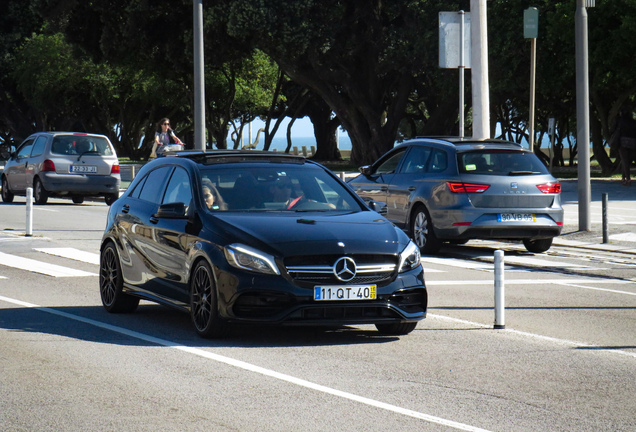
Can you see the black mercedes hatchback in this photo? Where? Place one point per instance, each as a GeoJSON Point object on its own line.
{"type": "Point", "coordinates": [254, 237]}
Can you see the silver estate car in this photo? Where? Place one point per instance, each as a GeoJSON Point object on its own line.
{"type": "Point", "coordinates": [62, 164]}
{"type": "Point", "coordinates": [456, 189]}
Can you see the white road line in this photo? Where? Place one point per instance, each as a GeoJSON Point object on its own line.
{"type": "Point", "coordinates": [597, 289]}
{"type": "Point", "coordinates": [253, 368]}
{"type": "Point", "coordinates": [533, 335]}
{"type": "Point", "coordinates": [453, 262]}
{"type": "Point", "coordinates": [544, 263]}
{"type": "Point", "coordinates": [72, 253]}
{"type": "Point", "coordinates": [582, 280]}
{"type": "Point", "coordinates": [40, 267]}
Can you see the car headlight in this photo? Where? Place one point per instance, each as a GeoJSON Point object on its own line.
{"type": "Point", "coordinates": [410, 257]}
{"type": "Point", "coordinates": [248, 258]}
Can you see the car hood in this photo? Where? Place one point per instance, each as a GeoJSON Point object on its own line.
{"type": "Point", "coordinates": [317, 233]}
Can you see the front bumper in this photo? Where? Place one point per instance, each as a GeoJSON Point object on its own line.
{"type": "Point", "coordinates": [275, 300]}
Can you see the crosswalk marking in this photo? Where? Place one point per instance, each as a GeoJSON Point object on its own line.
{"type": "Point", "coordinates": [40, 267]}
{"type": "Point", "coordinates": [454, 262]}
{"type": "Point", "coordinates": [72, 253]}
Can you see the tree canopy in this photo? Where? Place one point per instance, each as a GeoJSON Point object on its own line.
{"type": "Point", "coordinates": [116, 66]}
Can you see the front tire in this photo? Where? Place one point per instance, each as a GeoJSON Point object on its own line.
{"type": "Point", "coordinates": [7, 195]}
{"type": "Point", "coordinates": [111, 283]}
{"type": "Point", "coordinates": [109, 199]}
{"type": "Point", "coordinates": [40, 195]}
{"type": "Point", "coordinates": [538, 246]}
{"type": "Point", "coordinates": [396, 329]}
{"type": "Point", "coordinates": [78, 199]}
{"type": "Point", "coordinates": [422, 231]}
{"type": "Point", "coordinates": [204, 306]}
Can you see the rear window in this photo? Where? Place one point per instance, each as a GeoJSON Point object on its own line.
{"type": "Point", "coordinates": [500, 162]}
{"type": "Point", "coordinates": [79, 144]}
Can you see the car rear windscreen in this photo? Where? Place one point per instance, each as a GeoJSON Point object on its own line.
{"type": "Point", "coordinates": [77, 145]}
{"type": "Point", "coordinates": [500, 162]}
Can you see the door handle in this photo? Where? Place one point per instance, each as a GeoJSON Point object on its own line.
{"type": "Point", "coordinates": [125, 208]}
{"type": "Point", "coordinates": [154, 220]}
{"type": "Point", "coordinates": [384, 188]}
{"type": "Point", "coordinates": [412, 188]}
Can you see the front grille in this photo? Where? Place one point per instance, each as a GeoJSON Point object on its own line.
{"type": "Point", "coordinates": [370, 269]}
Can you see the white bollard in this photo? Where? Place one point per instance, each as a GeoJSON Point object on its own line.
{"type": "Point", "coordinates": [343, 177]}
{"type": "Point", "coordinates": [29, 212]}
{"type": "Point", "coordinates": [500, 303]}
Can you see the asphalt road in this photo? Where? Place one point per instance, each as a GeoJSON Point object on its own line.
{"type": "Point", "coordinates": [566, 360]}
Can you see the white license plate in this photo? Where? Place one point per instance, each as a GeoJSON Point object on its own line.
{"type": "Point", "coordinates": [83, 169]}
{"type": "Point", "coordinates": [517, 217]}
{"type": "Point", "coordinates": [351, 292]}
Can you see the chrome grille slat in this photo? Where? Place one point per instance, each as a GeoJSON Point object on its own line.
{"type": "Point", "coordinates": [321, 273]}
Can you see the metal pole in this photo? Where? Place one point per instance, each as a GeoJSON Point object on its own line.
{"type": "Point", "coordinates": [533, 67]}
{"type": "Point", "coordinates": [479, 65]}
{"type": "Point", "coordinates": [605, 228]}
{"type": "Point", "coordinates": [29, 212]}
{"type": "Point", "coordinates": [583, 117]}
{"type": "Point", "coordinates": [199, 83]}
{"type": "Point", "coordinates": [500, 304]}
{"type": "Point", "coordinates": [461, 73]}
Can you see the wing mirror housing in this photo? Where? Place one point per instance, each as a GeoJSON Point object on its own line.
{"type": "Point", "coordinates": [176, 210]}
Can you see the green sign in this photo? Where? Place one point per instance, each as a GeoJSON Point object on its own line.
{"type": "Point", "coordinates": [531, 23]}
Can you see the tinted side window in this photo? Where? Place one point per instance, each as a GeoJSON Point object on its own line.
{"type": "Point", "coordinates": [153, 186]}
{"type": "Point", "coordinates": [179, 188]}
{"type": "Point", "coordinates": [438, 162]}
{"type": "Point", "coordinates": [415, 162]}
{"type": "Point", "coordinates": [390, 164]}
{"type": "Point", "coordinates": [137, 189]}
{"type": "Point", "coordinates": [38, 147]}
{"type": "Point", "coordinates": [25, 149]}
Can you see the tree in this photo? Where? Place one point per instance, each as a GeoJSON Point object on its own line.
{"type": "Point", "coordinates": [361, 57]}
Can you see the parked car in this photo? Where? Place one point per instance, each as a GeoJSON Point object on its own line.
{"type": "Point", "coordinates": [62, 164]}
{"type": "Point", "coordinates": [457, 189]}
{"type": "Point", "coordinates": [260, 238]}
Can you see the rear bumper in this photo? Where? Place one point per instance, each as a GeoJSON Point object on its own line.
{"type": "Point", "coordinates": [80, 183]}
{"type": "Point", "coordinates": [467, 225]}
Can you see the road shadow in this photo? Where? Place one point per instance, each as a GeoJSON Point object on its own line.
{"type": "Point", "coordinates": [153, 325]}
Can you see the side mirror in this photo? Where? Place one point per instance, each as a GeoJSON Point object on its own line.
{"type": "Point", "coordinates": [172, 211]}
{"type": "Point", "coordinates": [365, 170]}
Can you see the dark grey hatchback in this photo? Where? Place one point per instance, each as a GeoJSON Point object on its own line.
{"type": "Point", "coordinates": [456, 189]}
{"type": "Point", "coordinates": [261, 238]}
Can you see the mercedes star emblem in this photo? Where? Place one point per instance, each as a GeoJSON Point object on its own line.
{"type": "Point", "coordinates": [345, 269]}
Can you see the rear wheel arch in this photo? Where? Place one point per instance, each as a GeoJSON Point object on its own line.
{"type": "Point", "coordinates": [422, 230]}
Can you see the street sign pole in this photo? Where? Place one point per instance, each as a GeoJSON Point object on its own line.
{"type": "Point", "coordinates": [461, 73]}
{"type": "Point", "coordinates": [530, 31]}
{"type": "Point", "coordinates": [199, 83]}
{"type": "Point", "coordinates": [583, 115]}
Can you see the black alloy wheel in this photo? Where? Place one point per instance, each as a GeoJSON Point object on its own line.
{"type": "Point", "coordinates": [40, 195]}
{"type": "Point", "coordinates": [7, 196]}
{"type": "Point", "coordinates": [204, 309]}
{"type": "Point", "coordinates": [422, 231]}
{"type": "Point", "coordinates": [111, 283]}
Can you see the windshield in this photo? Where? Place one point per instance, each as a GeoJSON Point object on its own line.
{"type": "Point", "coordinates": [80, 144]}
{"type": "Point", "coordinates": [275, 187]}
{"type": "Point", "coordinates": [500, 162]}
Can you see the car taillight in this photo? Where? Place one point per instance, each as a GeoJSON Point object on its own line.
{"type": "Point", "coordinates": [459, 187]}
{"type": "Point", "coordinates": [114, 169]}
{"type": "Point", "coordinates": [48, 165]}
{"type": "Point", "coordinates": [550, 188]}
